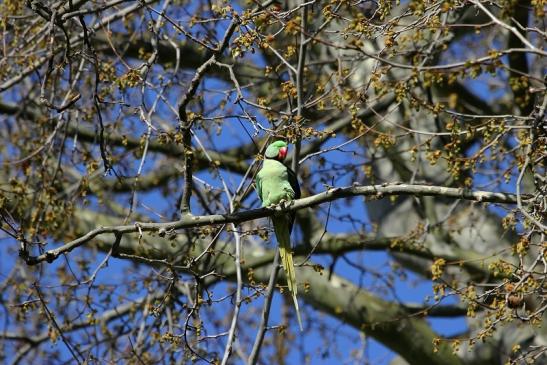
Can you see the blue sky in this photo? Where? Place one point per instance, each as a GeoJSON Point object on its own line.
{"type": "Point", "coordinates": [413, 289]}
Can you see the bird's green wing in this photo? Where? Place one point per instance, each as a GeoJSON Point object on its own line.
{"type": "Point", "coordinates": [258, 181]}
{"type": "Point", "coordinates": [293, 180]}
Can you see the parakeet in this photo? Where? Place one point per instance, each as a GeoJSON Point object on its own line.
{"type": "Point", "coordinates": [275, 183]}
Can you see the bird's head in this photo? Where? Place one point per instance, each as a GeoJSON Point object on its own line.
{"type": "Point", "coordinates": [277, 150]}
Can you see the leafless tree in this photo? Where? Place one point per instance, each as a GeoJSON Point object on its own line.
{"type": "Point", "coordinates": [131, 132]}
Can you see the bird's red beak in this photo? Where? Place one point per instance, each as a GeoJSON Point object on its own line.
{"type": "Point", "coordinates": [282, 153]}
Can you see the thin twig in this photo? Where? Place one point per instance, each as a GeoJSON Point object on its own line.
{"type": "Point", "coordinates": [300, 85]}
{"type": "Point", "coordinates": [253, 358]}
{"type": "Point", "coordinates": [237, 305]}
{"type": "Point", "coordinates": [51, 319]}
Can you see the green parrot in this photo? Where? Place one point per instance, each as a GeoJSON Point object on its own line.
{"type": "Point", "coordinates": [276, 183]}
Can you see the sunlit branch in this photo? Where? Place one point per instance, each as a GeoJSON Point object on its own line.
{"type": "Point", "coordinates": [189, 221]}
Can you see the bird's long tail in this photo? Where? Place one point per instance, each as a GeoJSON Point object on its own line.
{"type": "Point", "coordinates": [282, 232]}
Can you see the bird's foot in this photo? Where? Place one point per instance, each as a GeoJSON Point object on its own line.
{"type": "Point", "coordinates": [283, 204]}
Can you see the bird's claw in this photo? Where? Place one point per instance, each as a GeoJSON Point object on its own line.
{"type": "Point", "coordinates": [283, 204]}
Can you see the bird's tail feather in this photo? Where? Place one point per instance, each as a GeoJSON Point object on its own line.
{"type": "Point", "coordinates": [282, 232]}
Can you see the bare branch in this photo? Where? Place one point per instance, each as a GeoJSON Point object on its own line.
{"type": "Point", "coordinates": [255, 352]}
{"type": "Point", "coordinates": [376, 191]}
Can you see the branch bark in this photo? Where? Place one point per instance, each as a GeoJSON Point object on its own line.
{"type": "Point", "coordinates": [189, 221]}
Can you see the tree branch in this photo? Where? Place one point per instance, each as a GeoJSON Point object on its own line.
{"type": "Point", "coordinates": [253, 358]}
{"type": "Point", "coordinates": [387, 322]}
{"type": "Point", "coordinates": [186, 125]}
{"type": "Point", "coordinates": [189, 221]}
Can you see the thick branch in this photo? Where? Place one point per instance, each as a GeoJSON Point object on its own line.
{"type": "Point", "coordinates": [189, 221]}
{"type": "Point", "coordinates": [387, 322]}
{"type": "Point", "coordinates": [399, 327]}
